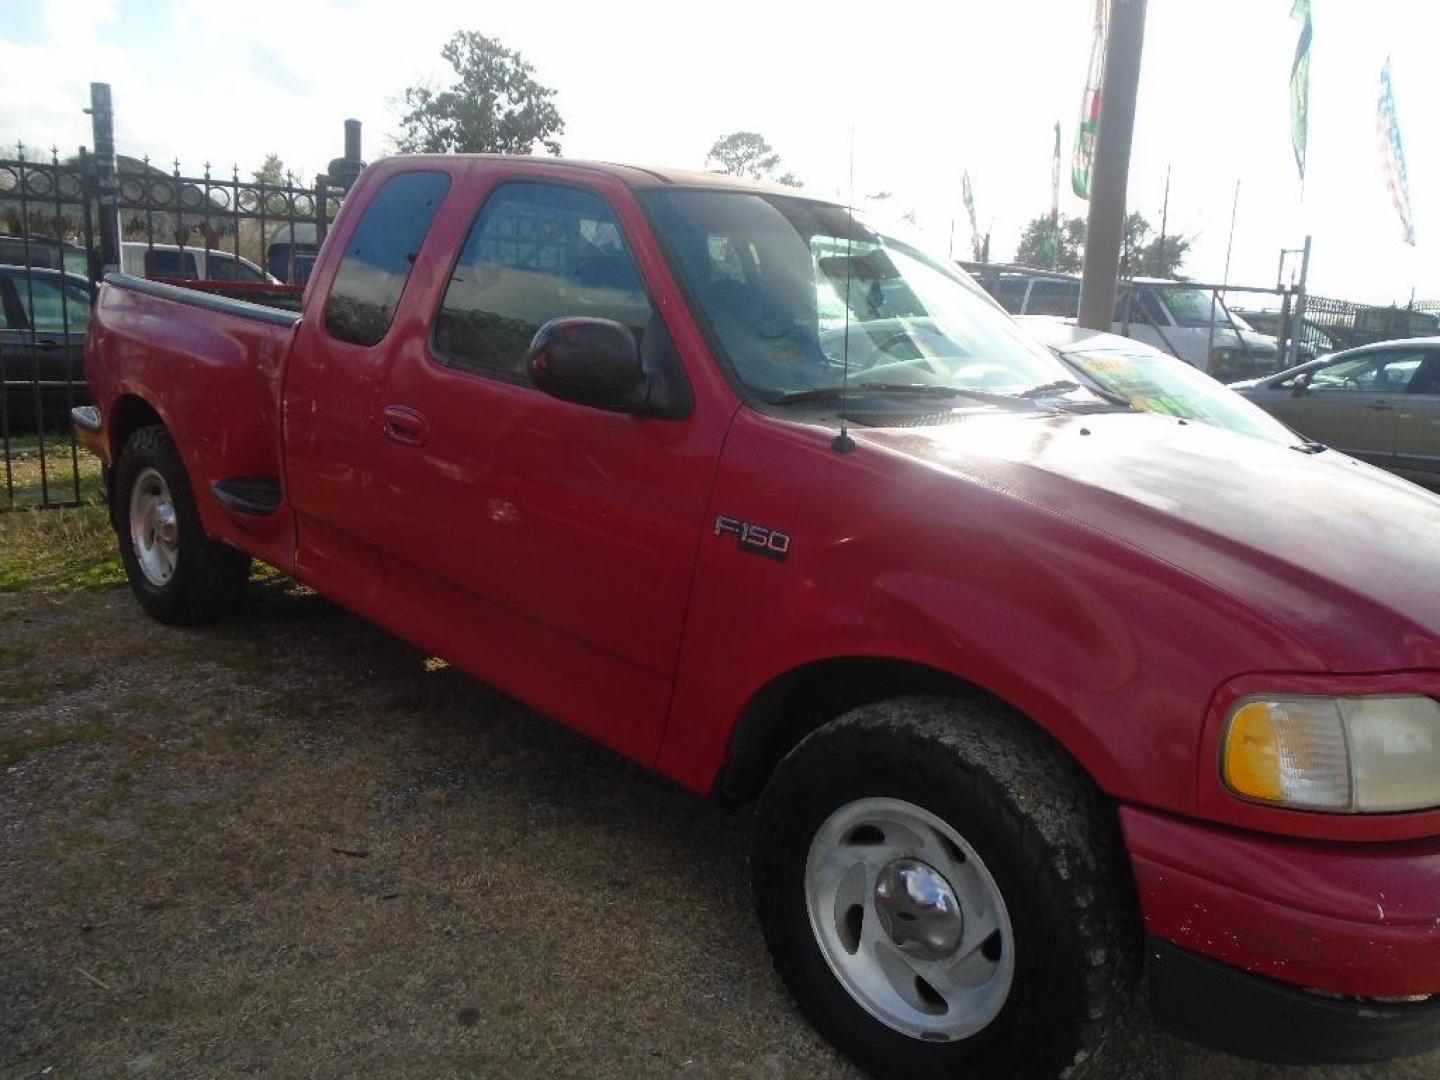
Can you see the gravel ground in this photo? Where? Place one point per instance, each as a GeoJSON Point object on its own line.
{"type": "Point", "coordinates": [293, 845]}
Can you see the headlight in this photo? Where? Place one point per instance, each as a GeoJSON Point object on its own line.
{"type": "Point", "coordinates": [1345, 755]}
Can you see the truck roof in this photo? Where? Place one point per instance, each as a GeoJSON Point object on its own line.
{"type": "Point", "coordinates": [636, 176]}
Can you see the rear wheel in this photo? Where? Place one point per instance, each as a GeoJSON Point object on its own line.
{"type": "Point", "coordinates": [178, 574]}
{"type": "Point", "coordinates": [944, 893]}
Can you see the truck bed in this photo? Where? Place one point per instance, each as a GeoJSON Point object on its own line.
{"type": "Point", "coordinates": [208, 366]}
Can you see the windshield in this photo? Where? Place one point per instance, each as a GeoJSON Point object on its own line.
{"type": "Point", "coordinates": [1150, 380]}
{"type": "Point", "coordinates": [793, 289]}
{"type": "Point", "coordinates": [1192, 307]}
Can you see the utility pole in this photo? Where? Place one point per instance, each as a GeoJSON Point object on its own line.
{"type": "Point", "coordinates": [1105, 229]}
{"type": "Point", "coordinates": [1164, 221]}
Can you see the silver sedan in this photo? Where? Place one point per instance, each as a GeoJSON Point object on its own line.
{"type": "Point", "coordinates": [1379, 402]}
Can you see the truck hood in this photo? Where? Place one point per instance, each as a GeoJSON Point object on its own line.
{"type": "Point", "coordinates": [1340, 556]}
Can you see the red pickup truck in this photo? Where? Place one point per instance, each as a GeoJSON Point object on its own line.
{"type": "Point", "coordinates": [1038, 694]}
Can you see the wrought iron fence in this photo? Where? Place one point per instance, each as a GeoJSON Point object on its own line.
{"type": "Point", "coordinates": [220, 228]}
{"type": "Point", "coordinates": [47, 279]}
{"type": "Point", "coordinates": [1332, 324]}
{"type": "Point", "coordinates": [66, 222]}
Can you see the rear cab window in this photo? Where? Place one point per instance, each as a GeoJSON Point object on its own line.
{"type": "Point", "coordinates": [376, 267]}
{"type": "Point", "coordinates": [222, 266]}
{"type": "Point", "coordinates": [1054, 298]}
{"type": "Point", "coordinates": [160, 263]}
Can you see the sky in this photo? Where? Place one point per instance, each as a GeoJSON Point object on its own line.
{"type": "Point", "coordinates": [930, 91]}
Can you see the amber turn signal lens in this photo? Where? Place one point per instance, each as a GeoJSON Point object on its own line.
{"type": "Point", "coordinates": [1291, 752]}
{"type": "Point", "coordinates": [1376, 754]}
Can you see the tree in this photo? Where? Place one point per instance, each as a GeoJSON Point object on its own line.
{"type": "Point", "coordinates": [1045, 246]}
{"type": "Point", "coordinates": [746, 153]}
{"type": "Point", "coordinates": [272, 172]}
{"type": "Point", "coordinates": [494, 106]}
{"type": "Point", "coordinates": [1141, 255]}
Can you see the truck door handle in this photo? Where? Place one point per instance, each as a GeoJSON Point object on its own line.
{"type": "Point", "coordinates": [47, 345]}
{"type": "Point", "coordinates": [405, 425]}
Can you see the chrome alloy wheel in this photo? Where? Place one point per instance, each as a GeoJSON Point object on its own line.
{"type": "Point", "coordinates": [154, 531]}
{"type": "Point", "coordinates": [909, 919]}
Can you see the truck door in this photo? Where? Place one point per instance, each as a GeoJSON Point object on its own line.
{"type": "Point", "coordinates": [337, 365]}
{"type": "Point", "coordinates": [554, 542]}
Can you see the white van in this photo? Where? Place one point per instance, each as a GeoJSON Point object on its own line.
{"type": "Point", "coordinates": [1180, 319]}
{"type": "Point", "coordinates": [171, 261]}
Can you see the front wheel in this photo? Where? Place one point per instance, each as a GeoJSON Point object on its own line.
{"type": "Point", "coordinates": [944, 894]}
{"type": "Point", "coordinates": [178, 574]}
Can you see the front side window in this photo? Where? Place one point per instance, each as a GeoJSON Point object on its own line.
{"type": "Point", "coordinates": [819, 289]}
{"type": "Point", "coordinates": [1377, 373]}
{"type": "Point", "coordinates": [1139, 307]}
{"type": "Point", "coordinates": [537, 252]}
{"type": "Point", "coordinates": [1195, 307]}
{"type": "Point", "coordinates": [46, 310]}
{"type": "Point", "coordinates": [378, 258]}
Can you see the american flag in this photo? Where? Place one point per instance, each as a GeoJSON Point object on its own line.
{"type": "Point", "coordinates": [1392, 155]}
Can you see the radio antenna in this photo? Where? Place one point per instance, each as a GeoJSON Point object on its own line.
{"type": "Point", "coordinates": [843, 443]}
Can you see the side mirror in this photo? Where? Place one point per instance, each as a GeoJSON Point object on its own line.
{"type": "Point", "coordinates": [589, 361]}
{"type": "Point", "coordinates": [1302, 385]}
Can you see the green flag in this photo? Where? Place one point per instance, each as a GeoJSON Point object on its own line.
{"type": "Point", "coordinates": [1082, 158]}
{"type": "Point", "coordinates": [1300, 86]}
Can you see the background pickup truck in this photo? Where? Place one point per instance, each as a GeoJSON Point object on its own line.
{"type": "Point", "coordinates": [1036, 692]}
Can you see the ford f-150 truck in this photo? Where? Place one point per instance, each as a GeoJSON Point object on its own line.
{"type": "Point", "coordinates": [1039, 696]}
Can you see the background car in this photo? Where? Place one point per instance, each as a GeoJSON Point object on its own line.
{"type": "Point", "coordinates": [1379, 402]}
{"type": "Point", "coordinates": [44, 251]}
{"type": "Point", "coordinates": [192, 263]}
{"type": "Point", "coordinates": [1146, 378]}
{"type": "Point", "coordinates": [43, 318]}
{"type": "Point", "coordinates": [1315, 340]}
{"type": "Point", "coordinates": [1179, 319]}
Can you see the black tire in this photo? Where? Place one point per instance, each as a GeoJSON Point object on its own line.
{"type": "Point", "coordinates": [208, 578]}
{"type": "Point", "coordinates": [1039, 826]}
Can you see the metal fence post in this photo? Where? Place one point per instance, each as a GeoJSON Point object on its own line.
{"type": "Point", "coordinates": [322, 183]}
{"type": "Point", "coordinates": [102, 120]}
{"type": "Point", "coordinates": [1291, 359]}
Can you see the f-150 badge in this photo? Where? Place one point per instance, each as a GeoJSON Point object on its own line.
{"type": "Point", "coordinates": [756, 539]}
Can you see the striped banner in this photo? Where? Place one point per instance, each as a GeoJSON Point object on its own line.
{"type": "Point", "coordinates": [968, 195]}
{"type": "Point", "coordinates": [1392, 155]}
{"type": "Point", "coordinates": [1300, 86]}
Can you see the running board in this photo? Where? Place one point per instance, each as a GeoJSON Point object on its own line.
{"type": "Point", "coordinates": [254, 496]}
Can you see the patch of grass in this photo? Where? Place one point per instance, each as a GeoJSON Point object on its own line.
{"type": "Point", "coordinates": [15, 747]}
{"type": "Point", "coordinates": [58, 550]}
